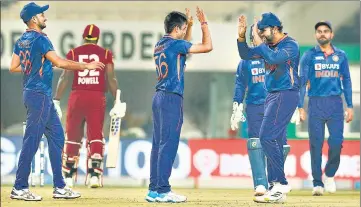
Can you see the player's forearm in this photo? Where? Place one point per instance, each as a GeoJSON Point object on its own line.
{"type": "Point", "coordinates": [68, 64]}
{"type": "Point", "coordinates": [71, 65]}
{"type": "Point", "coordinates": [347, 90]}
{"type": "Point", "coordinates": [188, 35]}
{"type": "Point", "coordinates": [113, 86]}
{"type": "Point", "coordinates": [244, 51]}
{"type": "Point", "coordinates": [206, 37]}
{"type": "Point", "coordinates": [302, 96]}
{"type": "Point", "coordinates": [238, 94]}
{"type": "Point", "coordinates": [62, 85]}
{"type": "Point", "coordinates": [271, 56]}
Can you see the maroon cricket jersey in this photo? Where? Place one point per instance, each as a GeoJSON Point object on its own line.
{"type": "Point", "coordinates": [91, 80]}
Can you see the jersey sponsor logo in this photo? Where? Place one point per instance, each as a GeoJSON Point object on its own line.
{"type": "Point", "coordinates": [258, 79]}
{"type": "Point", "coordinates": [257, 71]}
{"type": "Point", "coordinates": [255, 62]}
{"type": "Point", "coordinates": [320, 66]}
{"type": "Point", "coordinates": [327, 74]}
{"type": "Point", "coordinates": [254, 71]}
{"type": "Point", "coordinates": [319, 58]}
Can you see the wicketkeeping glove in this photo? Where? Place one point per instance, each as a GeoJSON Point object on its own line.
{"type": "Point", "coordinates": [237, 115]}
{"type": "Point", "coordinates": [296, 117]}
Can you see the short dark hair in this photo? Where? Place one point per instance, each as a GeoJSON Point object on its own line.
{"type": "Point", "coordinates": [174, 19]}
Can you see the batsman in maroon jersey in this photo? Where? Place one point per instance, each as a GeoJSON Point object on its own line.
{"type": "Point", "coordinates": [87, 103]}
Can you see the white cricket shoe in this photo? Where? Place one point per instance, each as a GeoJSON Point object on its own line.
{"type": "Point", "coordinates": [317, 191]}
{"type": "Point", "coordinates": [271, 197]}
{"type": "Point", "coordinates": [65, 193]}
{"type": "Point", "coordinates": [170, 197]}
{"type": "Point", "coordinates": [260, 190]}
{"type": "Point", "coordinates": [330, 185]}
{"type": "Point", "coordinates": [25, 195]}
{"type": "Point", "coordinates": [276, 195]}
{"type": "Point", "coordinates": [285, 188]}
{"type": "Point", "coordinates": [69, 182]}
{"type": "Point", "coordinates": [94, 182]}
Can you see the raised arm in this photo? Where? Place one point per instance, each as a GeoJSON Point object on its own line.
{"type": "Point", "coordinates": [206, 45]}
{"type": "Point", "coordinates": [244, 51]}
{"type": "Point", "coordinates": [188, 35]}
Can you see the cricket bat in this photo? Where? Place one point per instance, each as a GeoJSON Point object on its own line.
{"type": "Point", "coordinates": [114, 137]}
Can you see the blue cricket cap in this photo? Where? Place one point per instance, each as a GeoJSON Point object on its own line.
{"type": "Point", "coordinates": [326, 23]}
{"type": "Point", "coordinates": [32, 9]}
{"type": "Point", "coordinates": [269, 20]}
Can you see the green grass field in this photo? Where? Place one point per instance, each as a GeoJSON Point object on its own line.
{"type": "Point", "coordinates": [129, 197]}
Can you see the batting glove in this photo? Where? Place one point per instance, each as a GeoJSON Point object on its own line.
{"type": "Point", "coordinates": [118, 110]}
{"type": "Point", "coordinates": [237, 115]}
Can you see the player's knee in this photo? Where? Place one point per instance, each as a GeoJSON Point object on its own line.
{"type": "Point", "coordinates": [72, 148]}
{"type": "Point", "coordinates": [335, 143]}
{"type": "Point", "coordinates": [97, 146]}
{"type": "Point", "coordinates": [286, 150]}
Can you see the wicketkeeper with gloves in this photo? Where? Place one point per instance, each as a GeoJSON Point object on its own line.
{"type": "Point", "coordinates": [87, 103]}
{"type": "Point", "coordinates": [250, 83]}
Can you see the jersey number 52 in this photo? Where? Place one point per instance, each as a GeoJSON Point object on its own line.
{"type": "Point", "coordinates": [160, 65]}
{"type": "Point", "coordinates": [86, 71]}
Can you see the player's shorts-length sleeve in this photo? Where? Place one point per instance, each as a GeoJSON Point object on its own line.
{"type": "Point", "coordinates": [70, 55]}
{"type": "Point", "coordinates": [182, 46]}
{"type": "Point", "coordinates": [44, 45]}
{"type": "Point", "coordinates": [16, 48]}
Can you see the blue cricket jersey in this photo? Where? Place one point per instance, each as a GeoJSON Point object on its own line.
{"type": "Point", "coordinates": [250, 75]}
{"type": "Point", "coordinates": [281, 62]}
{"type": "Point", "coordinates": [170, 57]}
{"type": "Point", "coordinates": [31, 47]}
{"type": "Point", "coordinates": [324, 73]}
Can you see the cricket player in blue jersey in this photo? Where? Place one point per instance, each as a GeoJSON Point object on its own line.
{"type": "Point", "coordinates": [250, 75]}
{"type": "Point", "coordinates": [281, 56]}
{"type": "Point", "coordinates": [33, 56]}
{"type": "Point", "coordinates": [170, 57]}
{"type": "Point", "coordinates": [325, 71]}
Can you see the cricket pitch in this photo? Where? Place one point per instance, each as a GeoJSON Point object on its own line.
{"type": "Point", "coordinates": [129, 197]}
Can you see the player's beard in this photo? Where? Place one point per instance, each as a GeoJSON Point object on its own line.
{"type": "Point", "coordinates": [324, 41]}
{"type": "Point", "coordinates": [269, 38]}
{"type": "Point", "coordinates": [42, 25]}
